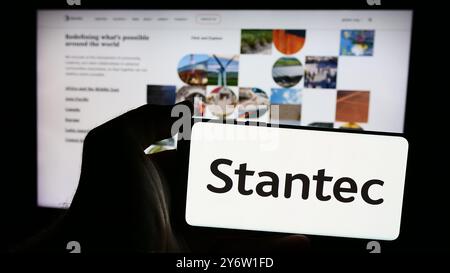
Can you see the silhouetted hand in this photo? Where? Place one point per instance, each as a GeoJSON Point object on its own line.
{"type": "Point", "coordinates": [129, 201]}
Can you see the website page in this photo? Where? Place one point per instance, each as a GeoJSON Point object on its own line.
{"type": "Point", "coordinates": [335, 69]}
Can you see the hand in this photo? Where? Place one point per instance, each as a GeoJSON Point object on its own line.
{"type": "Point", "coordinates": [129, 201]}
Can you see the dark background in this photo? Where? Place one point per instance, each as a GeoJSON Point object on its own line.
{"type": "Point", "coordinates": [425, 211]}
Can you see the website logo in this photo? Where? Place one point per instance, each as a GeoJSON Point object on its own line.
{"type": "Point", "coordinates": [315, 182]}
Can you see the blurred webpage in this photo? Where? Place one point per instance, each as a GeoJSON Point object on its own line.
{"type": "Point", "coordinates": [337, 69]}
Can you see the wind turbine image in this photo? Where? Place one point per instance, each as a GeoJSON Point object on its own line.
{"type": "Point", "coordinates": [192, 63]}
{"type": "Point", "coordinates": [222, 71]}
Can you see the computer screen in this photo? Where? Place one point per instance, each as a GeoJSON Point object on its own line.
{"type": "Point", "coordinates": [324, 68]}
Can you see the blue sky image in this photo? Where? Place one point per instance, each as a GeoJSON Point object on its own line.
{"type": "Point", "coordinates": [285, 96]}
{"type": "Point", "coordinates": [185, 62]}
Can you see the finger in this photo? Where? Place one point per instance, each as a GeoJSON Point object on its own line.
{"type": "Point", "coordinates": [291, 243]}
{"type": "Point", "coordinates": [150, 123]}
